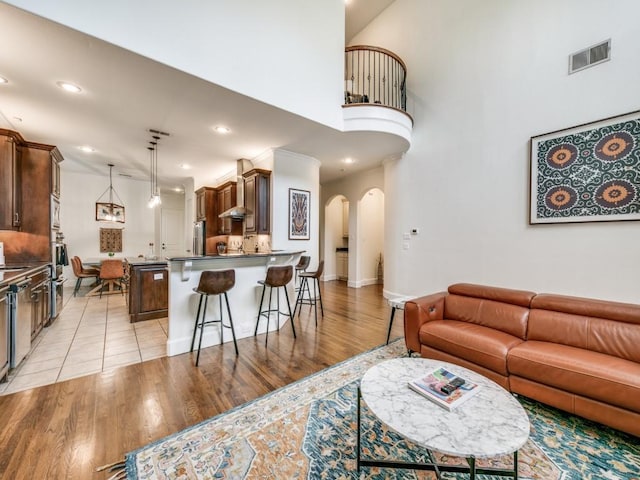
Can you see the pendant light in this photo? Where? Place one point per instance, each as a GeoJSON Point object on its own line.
{"type": "Point", "coordinates": [110, 211]}
{"type": "Point", "coordinates": [154, 199]}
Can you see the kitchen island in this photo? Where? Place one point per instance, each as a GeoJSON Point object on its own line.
{"type": "Point", "coordinates": [244, 297]}
{"type": "Point", "coordinates": [148, 288]}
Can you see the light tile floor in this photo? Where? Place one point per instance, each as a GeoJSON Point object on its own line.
{"type": "Point", "coordinates": [91, 335]}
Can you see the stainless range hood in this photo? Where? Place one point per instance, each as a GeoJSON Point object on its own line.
{"type": "Point", "coordinates": [238, 211]}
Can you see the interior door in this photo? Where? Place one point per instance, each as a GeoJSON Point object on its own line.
{"type": "Point", "coordinates": [172, 232]}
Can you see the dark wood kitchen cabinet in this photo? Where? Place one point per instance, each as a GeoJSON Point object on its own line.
{"type": "Point", "coordinates": [148, 290]}
{"type": "Point", "coordinates": [226, 196]}
{"type": "Point", "coordinates": [10, 181]}
{"type": "Point", "coordinates": [29, 197]}
{"type": "Point", "coordinates": [257, 201]}
{"type": "Point", "coordinates": [206, 204]}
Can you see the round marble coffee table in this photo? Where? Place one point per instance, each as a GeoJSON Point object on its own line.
{"type": "Point", "coordinates": [490, 423]}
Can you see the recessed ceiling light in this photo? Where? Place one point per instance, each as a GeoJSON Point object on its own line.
{"type": "Point", "coordinates": [3, 80]}
{"type": "Point", "coordinates": [348, 160]}
{"type": "Point", "coordinates": [177, 189]}
{"type": "Point", "coordinates": [222, 129]}
{"type": "Point", "coordinates": [87, 149]}
{"type": "Point", "coordinates": [69, 87]}
{"type": "Point", "coordinates": [185, 166]}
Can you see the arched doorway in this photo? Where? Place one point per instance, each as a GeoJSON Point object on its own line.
{"type": "Point", "coordinates": [336, 238]}
{"type": "Point", "coordinates": [369, 259]}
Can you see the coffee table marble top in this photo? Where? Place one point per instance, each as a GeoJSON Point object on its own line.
{"type": "Point", "coordinates": [490, 423]}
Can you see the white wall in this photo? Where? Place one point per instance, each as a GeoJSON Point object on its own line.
{"type": "Point", "coordinates": [292, 170]}
{"type": "Point", "coordinates": [332, 236]}
{"type": "Point", "coordinates": [370, 236]}
{"type": "Point", "coordinates": [78, 196]}
{"type": "Point", "coordinates": [287, 53]}
{"type": "Point", "coordinates": [484, 78]}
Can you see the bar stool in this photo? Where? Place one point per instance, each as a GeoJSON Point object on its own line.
{"type": "Point", "coordinates": [302, 266]}
{"type": "Point", "coordinates": [300, 300]}
{"type": "Point", "coordinates": [276, 277]}
{"type": "Point", "coordinates": [214, 282]}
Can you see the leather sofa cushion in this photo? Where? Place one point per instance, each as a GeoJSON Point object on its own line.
{"type": "Point", "coordinates": [505, 317]}
{"type": "Point", "coordinates": [583, 372]}
{"type": "Point", "coordinates": [475, 343]}
{"type": "Point", "coordinates": [617, 338]}
{"type": "Point", "coordinates": [506, 295]}
{"type": "Point", "coordinates": [589, 307]}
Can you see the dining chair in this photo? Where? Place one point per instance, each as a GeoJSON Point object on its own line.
{"type": "Point", "coordinates": [82, 272]}
{"type": "Point", "coordinates": [112, 275]}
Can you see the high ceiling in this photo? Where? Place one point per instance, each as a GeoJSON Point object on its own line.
{"type": "Point", "coordinates": [125, 94]}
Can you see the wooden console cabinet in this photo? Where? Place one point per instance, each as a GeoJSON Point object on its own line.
{"type": "Point", "coordinates": [148, 289]}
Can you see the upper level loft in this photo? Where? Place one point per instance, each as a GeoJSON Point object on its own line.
{"type": "Point", "coordinates": [375, 92]}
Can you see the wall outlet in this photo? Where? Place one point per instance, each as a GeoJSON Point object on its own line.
{"type": "Point", "coordinates": [415, 231]}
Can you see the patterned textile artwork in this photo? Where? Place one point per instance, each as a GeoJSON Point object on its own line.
{"type": "Point", "coordinates": [110, 240]}
{"type": "Point", "coordinates": [299, 214]}
{"type": "Point", "coordinates": [587, 173]}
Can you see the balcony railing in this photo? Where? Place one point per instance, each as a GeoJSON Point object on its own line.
{"type": "Point", "coordinates": [375, 76]}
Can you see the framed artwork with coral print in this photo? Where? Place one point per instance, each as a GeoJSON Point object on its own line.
{"type": "Point", "coordinates": [587, 173]}
{"type": "Point", "coordinates": [299, 214]}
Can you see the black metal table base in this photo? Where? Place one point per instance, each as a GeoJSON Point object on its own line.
{"type": "Point", "coordinates": [431, 465]}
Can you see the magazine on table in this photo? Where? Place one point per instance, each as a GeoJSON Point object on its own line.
{"type": "Point", "coordinates": [444, 388]}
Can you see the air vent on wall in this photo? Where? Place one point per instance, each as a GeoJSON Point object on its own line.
{"type": "Point", "coordinates": [590, 56]}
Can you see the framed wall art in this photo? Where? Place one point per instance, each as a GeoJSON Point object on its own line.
{"type": "Point", "coordinates": [299, 214]}
{"type": "Point", "coordinates": [110, 240]}
{"type": "Point", "coordinates": [587, 173]}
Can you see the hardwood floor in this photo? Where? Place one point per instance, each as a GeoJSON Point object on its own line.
{"type": "Point", "coordinates": [66, 430]}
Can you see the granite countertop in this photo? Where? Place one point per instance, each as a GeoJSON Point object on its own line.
{"type": "Point", "coordinates": [239, 255]}
{"type": "Point", "coordinates": [136, 261]}
{"type": "Point", "coordinates": [13, 273]}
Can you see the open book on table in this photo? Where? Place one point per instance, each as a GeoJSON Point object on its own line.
{"type": "Point", "coordinates": [433, 384]}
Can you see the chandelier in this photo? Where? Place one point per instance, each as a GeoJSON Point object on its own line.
{"type": "Point", "coordinates": [109, 211]}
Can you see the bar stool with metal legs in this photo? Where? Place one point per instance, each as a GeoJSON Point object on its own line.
{"type": "Point", "coordinates": [302, 266]}
{"type": "Point", "coordinates": [213, 282]}
{"type": "Point", "coordinates": [276, 277]}
{"type": "Point", "coordinates": [304, 287]}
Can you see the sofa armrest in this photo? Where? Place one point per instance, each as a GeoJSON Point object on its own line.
{"type": "Point", "coordinates": [419, 311]}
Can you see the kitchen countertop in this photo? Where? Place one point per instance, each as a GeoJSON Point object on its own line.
{"type": "Point", "coordinates": [239, 255]}
{"type": "Point", "coordinates": [13, 273]}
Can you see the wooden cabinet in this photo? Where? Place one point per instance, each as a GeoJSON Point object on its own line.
{"type": "Point", "coordinates": [10, 182]}
{"type": "Point", "coordinates": [55, 174]}
{"type": "Point", "coordinates": [206, 204]}
{"type": "Point", "coordinates": [257, 201]}
{"type": "Point", "coordinates": [148, 290]}
{"type": "Point", "coordinates": [226, 199]}
{"type": "Point", "coordinates": [29, 192]}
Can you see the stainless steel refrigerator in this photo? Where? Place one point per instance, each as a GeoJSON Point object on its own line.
{"type": "Point", "coordinates": [199, 238]}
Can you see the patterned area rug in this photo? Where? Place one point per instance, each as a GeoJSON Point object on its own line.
{"type": "Point", "coordinates": [307, 430]}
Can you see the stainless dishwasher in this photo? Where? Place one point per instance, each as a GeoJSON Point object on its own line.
{"type": "Point", "coordinates": [4, 333]}
{"type": "Point", "coordinates": [20, 307]}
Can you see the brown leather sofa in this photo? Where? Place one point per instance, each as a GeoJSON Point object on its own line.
{"type": "Point", "coordinates": [580, 355]}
